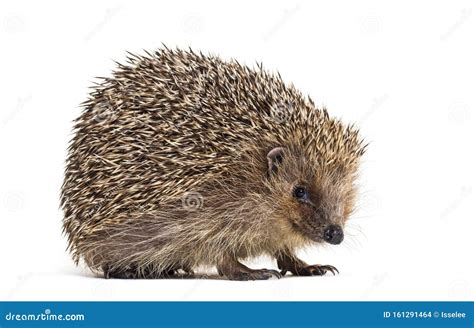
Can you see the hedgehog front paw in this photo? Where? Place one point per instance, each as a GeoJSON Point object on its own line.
{"type": "Point", "coordinates": [289, 262]}
{"type": "Point", "coordinates": [234, 270]}
{"type": "Point", "coordinates": [261, 274]}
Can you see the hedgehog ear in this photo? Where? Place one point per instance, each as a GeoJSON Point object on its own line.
{"type": "Point", "coordinates": [274, 157]}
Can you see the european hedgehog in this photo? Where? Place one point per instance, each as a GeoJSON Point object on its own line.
{"type": "Point", "coordinates": [181, 160]}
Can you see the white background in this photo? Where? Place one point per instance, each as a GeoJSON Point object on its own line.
{"type": "Point", "coordinates": [401, 71]}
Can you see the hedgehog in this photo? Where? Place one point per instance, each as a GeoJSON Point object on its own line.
{"type": "Point", "coordinates": [182, 160]}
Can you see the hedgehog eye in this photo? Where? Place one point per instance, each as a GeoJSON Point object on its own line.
{"type": "Point", "coordinates": [300, 193]}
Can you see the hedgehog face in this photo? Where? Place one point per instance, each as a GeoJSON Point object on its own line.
{"type": "Point", "coordinates": [316, 201]}
{"type": "Point", "coordinates": [315, 215]}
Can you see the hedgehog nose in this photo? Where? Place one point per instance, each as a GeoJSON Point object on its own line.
{"type": "Point", "coordinates": [333, 234]}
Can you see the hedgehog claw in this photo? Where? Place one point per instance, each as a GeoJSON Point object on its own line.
{"type": "Point", "coordinates": [262, 274]}
{"type": "Point", "coordinates": [234, 270]}
{"type": "Point", "coordinates": [317, 270]}
{"type": "Point", "coordinates": [289, 262]}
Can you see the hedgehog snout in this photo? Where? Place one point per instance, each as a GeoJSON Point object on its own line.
{"type": "Point", "coordinates": [333, 234]}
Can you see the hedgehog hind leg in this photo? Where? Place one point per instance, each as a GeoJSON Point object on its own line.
{"type": "Point", "coordinates": [133, 272]}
